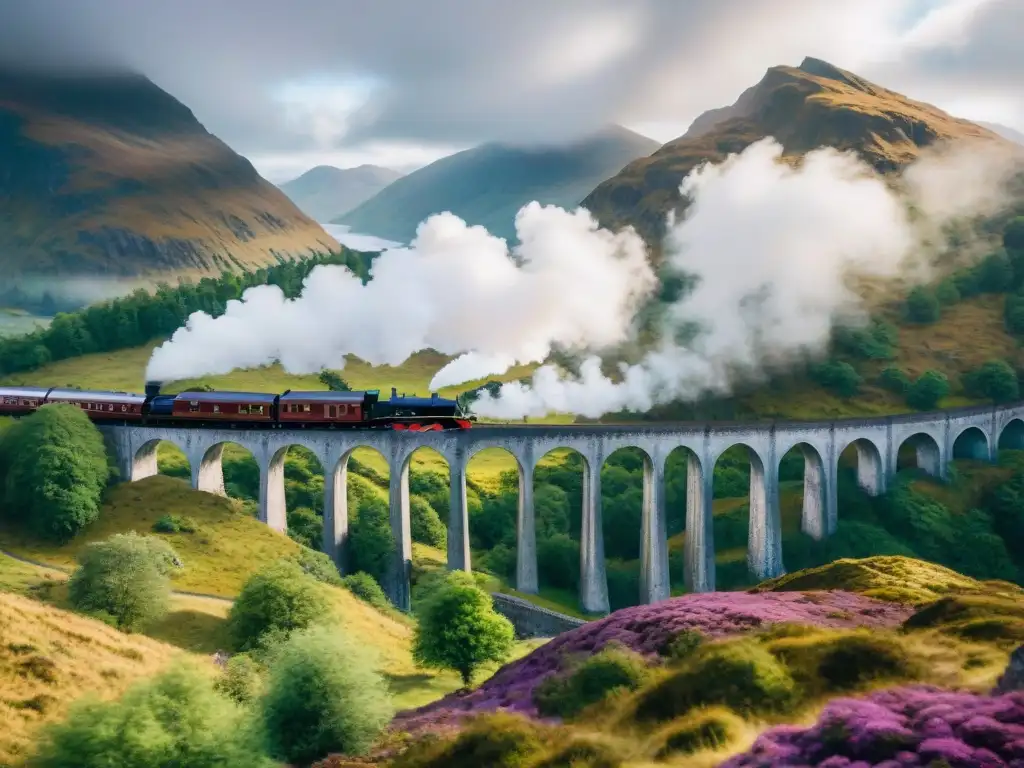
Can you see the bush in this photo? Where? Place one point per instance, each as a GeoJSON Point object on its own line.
{"type": "Point", "coordinates": [175, 524]}
{"type": "Point", "coordinates": [894, 380]}
{"type": "Point", "coordinates": [996, 380]}
{"type": "Point", "coordinates": [710, 729]}
{"type": "Point", "coordinates": [125, 577]}
{"type": "Point", "coordinates": [317, 565]}
{"type": "Point", "coordinates": [242, 679]}
{"type": "Point", "coordinates": [947, 293]}
{"type": "Point", "coordinates": [612, 668]}
{"type": "Point", "coordinates": [925, 393]}
{"type": "Point", "coordinates": [366, 589]}
{"type": "Point", "coordinates": [305, 526]}
{"type": "Point", "coordinates": [682, 645]}
{"type": "Point", "coordinates": [501, 561]}
{"type": "Point", "coordinates": [875, 342]}
{"type": "Point", "coordinates": [1013, 314]}
{"type": "Point", "coordinates": [922, 306]}
{"type": "Point", "coordinates": [558, 562]}
{"type": "Point", "coordinates": [175, 720]}
{"type": "Point", "coordinates": [371, 543]}
{"type": "Point", "coordinates": [459, 630]}
{"type": "Point", "coordinates": [498, 740]}
{"type": "Point", "coordinates": [275, 601]}
{"type": "Point", "coordinates": [323, 695]}
{"type": "Point", "coordinates": [842, 378]}
{"type": "Point", "coordinates": [741, 675]}
{"type": "Point", "coordinates": [995, 273]}
{"type": "Point", "coordinates": [426, 527]}
{"type": "Point", "coordinates": [56, 471]}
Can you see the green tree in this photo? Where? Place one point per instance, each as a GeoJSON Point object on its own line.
{"type": "Point", "coordinates": [56, 471]}
{"type": "Point", "coordinates": [894, 380]}
{"type": "Point", "coordinates": [926, 392]}
{"type": "Point", "coordinates": [426, 527]}
{"type": "Point", "coordinates": [1013, 314]}
{"type": "Point", "coordinates": [175, 720]}
{"type": "Point", "coordinates": [323, 695]}
{"type": "Point", "coordinates": [334, 382]}
{"type": "Point", "coordinates": [995, 273]}
{"type": "Point", "coordinates": [947, 292]}
{"type": "Point", "coordinates": [841, 377]}
{"type": "Point", "coordinates": [995, 380]}
{"type": "Point", "coordinates": [459, 629]}
{"type": "Point", "coordinates": [126, 577]}
{"type": "Point", "coordinates": [371, 543]}
{"type": "Point", "coordinates": [922, 306]}
{"type": "Point", "coordinates": [274, 602]}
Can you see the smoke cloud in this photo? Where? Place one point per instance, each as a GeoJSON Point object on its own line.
{"type": "Point", "coordinates": [773, 249]}
{"type": "Point", "coordinates": [455, 289]}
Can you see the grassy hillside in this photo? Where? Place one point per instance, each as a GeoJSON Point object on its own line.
{"type": "Point", "coordinates": [111, 177]}
{"type": "Point", "coordinates": [50, 657]}
{"type": "Point", "coordinates": [488, 185]}
{"type": "Point", "coordinates": [324, 192]}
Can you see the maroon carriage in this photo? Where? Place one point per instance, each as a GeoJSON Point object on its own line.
{"type": "Point", "coordinates": [101, 405]}
{"type": "Point", "coordinates": [323, 408]}
{"type": "Point", "coordinates": [225, 406]}
{"type": "Point", "coordinates": [15, 401]}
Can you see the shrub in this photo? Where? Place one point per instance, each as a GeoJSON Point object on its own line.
{"type": "Point", "coordinates": [947, 292]}
{"type": "Point", "coordinates": [612, 668]}
{"type": "Point", "coordinates": [741, 675]}
{"type": "Point", "coordinates": [709, 729]}
{"type": "Point", "coordinates": [558, 561]}
{"type": "Point", "coordinates": [875, 342]}
{"type": "Point", "coordinates": [323, 695]}
{"type": "Point", "coordinates": [894, 380]}
{"type": "Point", "coordinates": [366, 589]}
{"type": "Point", "coordinates": [305, 526]}
{"type": "Point", "coordinates": [56, 471]}
{"type": "Point", "coordinates": [834, 663]}
{"type": "Point", "coordinates": [925, 393]}
{"type": "Point", "coordinates": [995, 273]}
{"type": "Point", "coordinates": [175, 720]}
{"type": "Point", "coordinates": [495, 740]}
{"type": "Point", "coordinates": [583, 754]}
{"type": "Point", "coordinates": [125, 577]}
{"type": "Point", "coordinates": [241, 680]}
{"type": "Point", "coordinates": [1013, 314]}
{"type": "Point", "coordinates": [371, 543]}
{"type": "Point", "coordinates": [278, 599]}
{"type": "Point", "coordinates": [501, 561]}
{"type": "Point", "coordinates": [841, 377]}
{"type": "Point", "coordinates": [426, 527]}
{"type": "Point", "coordinates": [175, 524]}
{"type": "Point", "coordinates": [922, 306]}
{"type": "Point", "coordinates": [458, 629]}
{"type": "Point", "coordinates": [996, 380]}
{"type": "Point", "coordinates": [683, 644]}
{"type": "Point", "coordinates": [317, 565]}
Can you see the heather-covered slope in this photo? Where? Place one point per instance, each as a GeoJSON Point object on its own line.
{"type": "Point", "coordinates": [108, 176]}
{"type": "Point", "coordinates": [805, 107]}
{"type": "Point", "coordinates": [488, 185]}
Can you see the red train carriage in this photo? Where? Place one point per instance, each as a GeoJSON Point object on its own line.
{"type": "Point", "coordinates": [101, 405]}
{"type": "Point", "coordinates": [14, 401]}
{"type": "Point", "coordinates": [322, 408]}
{"type": "Point", "coordinates": [225, 406]}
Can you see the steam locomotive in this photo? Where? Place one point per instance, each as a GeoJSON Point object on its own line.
{"type": "Point", "coordinates": [237, 410]}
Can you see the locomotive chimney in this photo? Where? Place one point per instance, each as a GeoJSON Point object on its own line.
{"type": "Point", "coordinates": [153, 388]}
{"type": "Point", "coordinates": [394, 393]}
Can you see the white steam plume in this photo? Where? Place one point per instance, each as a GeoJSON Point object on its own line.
{"type": "Point", "coordinates": [773, 247]}
{"type": "Point", "coordinates": [455, 289]}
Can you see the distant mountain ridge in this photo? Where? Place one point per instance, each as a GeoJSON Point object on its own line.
{"type": "Point", "coordinates": [806, 107]}
{"type": "Point", "coordinates": [108, 176]}
{"type": "Point", "coordinates": [487, 185]}
{"type": "Point", "coordinates": [1006, 132]}
{"type": "Point", "coordinates": [326, 192]}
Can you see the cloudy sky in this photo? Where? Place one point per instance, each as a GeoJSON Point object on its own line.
{"type": "Point", "coordinates": [292, 84]}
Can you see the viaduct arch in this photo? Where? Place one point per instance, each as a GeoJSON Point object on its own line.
{"type": "Point", "coordinates": [937, 438]}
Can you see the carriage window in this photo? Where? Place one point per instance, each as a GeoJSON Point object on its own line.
{"type": "Point", "coordinates": [332, 411]}
{"type": "Point", "coordinates": [307, 408]}
{"type": "Point", "coordinates": [124, 409]}
{"type": "Point", "coordinates": [110, 407]}
{"type": "Point", "coordinates": [342, 410]}
{"type": "Point", "coordinates": [11, 401]}
{"type": "Point", "coordinates": [193, 406]}
{"type": "Point", "coordinates": [216, 409]}
{"type": "Point", "coordinates": [259, 409]}
{"type": "Point", "coordinates": [243, 409]}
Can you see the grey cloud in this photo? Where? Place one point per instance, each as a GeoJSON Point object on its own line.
{"type": "Point", "coordinates": [452, 72]}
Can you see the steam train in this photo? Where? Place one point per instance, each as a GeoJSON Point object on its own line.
{"type": "Point", "coordinates": [238, 410]}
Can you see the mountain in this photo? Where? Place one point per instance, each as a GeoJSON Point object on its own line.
{"type": "Point", "coordinates": [326, 192]}
{"type": "Point", "coordinates": [489, 184]}
{"type": "Point", "coordinates": [1007, 133]}
{"type": "Point", "coordinates": [105, 175]}
{"type": "Point", "coordinates": [805, 107]}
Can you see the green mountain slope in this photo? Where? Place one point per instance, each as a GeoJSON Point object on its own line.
{"type": "Point", "coordinates": [487, 185]}
{"type": "Point", "coordinates": [325, 192]}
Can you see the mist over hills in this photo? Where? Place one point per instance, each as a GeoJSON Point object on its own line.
{"type": "Point", "coordinates": [106, 176]}
{"type": "Point", "coordinates": [326, 192]}
{"type": "Point", "coordinates": [487, 185]}
{"type": "Point", "coordinates": [1006, 132]}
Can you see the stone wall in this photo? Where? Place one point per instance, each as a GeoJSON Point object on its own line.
{"type": "Point", "coordinates": [531, 620]}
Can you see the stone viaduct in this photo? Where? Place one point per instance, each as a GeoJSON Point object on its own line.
{"type": "Point", "coordinates": [937, 438]}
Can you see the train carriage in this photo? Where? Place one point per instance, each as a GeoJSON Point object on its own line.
{"type": "Point", "coordinates": [101, 405]}
{"type": "Point", "coordinates": [325, 408]}
{"type": "Point", "coordinates": [15, 401]}
{"type": "Point", "coordinates": [225, 406]}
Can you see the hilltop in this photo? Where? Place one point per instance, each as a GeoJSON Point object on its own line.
{"type": "Point", "coordinates": [106, 176]}
{"type": "Point", "coordinates": [805, 107]}
{"type": "Point", "coordinates": [1005, 131]}
{"type": "Point", "coordinates": [487, 185]}
{"type": "Point", "coordinates": [325, 192]}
